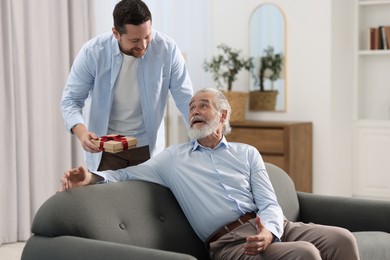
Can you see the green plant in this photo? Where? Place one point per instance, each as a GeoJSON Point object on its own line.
{"type": "Point", "coordinates": [227, 65]}
{"type": "Point", "coordinates": [270, 67]}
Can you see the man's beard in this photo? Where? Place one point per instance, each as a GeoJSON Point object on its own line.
{"type": "Point", "coordinates": [136, 52]}
{"type": "Point", "coordinates": [207, 129]}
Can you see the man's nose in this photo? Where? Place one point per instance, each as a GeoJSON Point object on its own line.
{"type": "Point", "coordinates": [142, 44]}
{"type": "Point", "coordinates": [193, 112]}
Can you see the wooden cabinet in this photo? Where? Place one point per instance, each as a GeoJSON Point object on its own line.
{"type": "Point", "coordinates": [285, 144]}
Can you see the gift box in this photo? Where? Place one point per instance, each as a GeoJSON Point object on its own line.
{"type": "Point", "coordinates": [115, 143]}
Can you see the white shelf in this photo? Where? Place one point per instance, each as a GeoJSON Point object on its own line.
{"type": "Point", "coordinates": [374, 52]}
{"type": "Point", "coordinates": [368, 123]}
{"type": "Point", "coordinates": [368, 2]}
{"type": "Point", "coordinates": [372, 90]}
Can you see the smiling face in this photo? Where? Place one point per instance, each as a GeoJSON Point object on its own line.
{"type": "Point", "coordinates": [136, 39]}
{"type": "Point", "coordinates": [206, 122]}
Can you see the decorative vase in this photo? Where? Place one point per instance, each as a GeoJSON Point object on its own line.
{"type": "Point", "coordinates": [262, 100]}
{"type": "Point", "coordinates": [238, 102]}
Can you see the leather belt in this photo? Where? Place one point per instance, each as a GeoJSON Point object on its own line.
{"type": "Point", "coordinates": [229, 227]}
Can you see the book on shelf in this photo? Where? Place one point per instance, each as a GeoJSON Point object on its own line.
{"type": "Point", "coordinates": [387, 32]}
{"type": "Point", "coordinates": [383, 35]}
{"type": "Point", "coordinates": [379, 38]}
{"type": "Point", "coordinates": [373, 39]}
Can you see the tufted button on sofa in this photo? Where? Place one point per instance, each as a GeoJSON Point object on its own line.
{"type": "Point", "coordinates": [141, 220]}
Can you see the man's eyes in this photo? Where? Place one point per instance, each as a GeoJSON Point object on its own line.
{"type": "Point", "coordinates": [203, 106]}
{"type": "Point", "coordinates": [137, 40]}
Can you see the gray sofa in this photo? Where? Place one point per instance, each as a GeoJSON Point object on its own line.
{"type": "Point", "coordinates": [140, 220]}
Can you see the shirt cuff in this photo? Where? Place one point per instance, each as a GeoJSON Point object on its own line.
{"type": "Point", "coordinates": [102, 175]}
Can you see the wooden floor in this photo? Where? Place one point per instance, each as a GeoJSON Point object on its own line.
{"type": "Point", "coordinates": [11, 251]}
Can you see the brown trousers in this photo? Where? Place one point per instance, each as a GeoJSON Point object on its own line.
{"type": "Point", "coordinates": [131, 157]}
{"type": "Point", "coordinates": [299, 241]}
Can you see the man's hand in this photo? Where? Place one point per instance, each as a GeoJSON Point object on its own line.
{"type": "Point", "coordinates": [85, 138]}
{"type": "Point", "coordinates": [76, 177]}
{"type": "Point", "coordinates": [258, 243]}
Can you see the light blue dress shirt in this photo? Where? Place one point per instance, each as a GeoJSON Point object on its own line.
{"type": "Point", "coordinates": [88, 94]}
{"type": "Point", "coordinates": [213, 186]}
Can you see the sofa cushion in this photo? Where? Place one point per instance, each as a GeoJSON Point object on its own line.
{"type": "Point", "coordinates": [373, 244]}
{"type": "Point", "coordinates": [76, 248]}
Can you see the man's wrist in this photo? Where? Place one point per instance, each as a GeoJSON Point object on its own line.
{"type": "Point", "coordinates": [75, 128]}
{"type": "Point", "coordinates": [95, 179]}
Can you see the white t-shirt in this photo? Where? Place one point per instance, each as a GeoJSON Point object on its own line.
{"type": "Point", "coordinates": [126, 112]}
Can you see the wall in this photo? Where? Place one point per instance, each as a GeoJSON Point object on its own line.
{"type": "Point", "coordinates": [341, 100]}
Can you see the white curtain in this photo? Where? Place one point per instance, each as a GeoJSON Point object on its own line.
{"type": "Point", "coordinates": [39, 40]}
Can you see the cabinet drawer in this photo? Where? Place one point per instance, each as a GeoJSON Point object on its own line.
{"type": "Point", "coordinates": [265, 140]}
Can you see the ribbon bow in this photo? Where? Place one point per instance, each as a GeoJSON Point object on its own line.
{"type": "Point", "coordinates": [118, 138]}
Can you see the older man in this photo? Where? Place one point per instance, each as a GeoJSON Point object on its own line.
{"type": "Point", "coordinates": [225, 192]}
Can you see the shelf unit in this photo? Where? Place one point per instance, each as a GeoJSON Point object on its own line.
{"type": "Point", "coordinates": [373, 66]}
{"type": "Point", "coordinates": [371, 160]}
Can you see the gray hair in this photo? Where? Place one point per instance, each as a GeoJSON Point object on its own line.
{"type": "Point", "coordinates": [221, 103]}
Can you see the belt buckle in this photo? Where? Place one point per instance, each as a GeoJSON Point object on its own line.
{"type": "Point", "coordinates": [227, 228]}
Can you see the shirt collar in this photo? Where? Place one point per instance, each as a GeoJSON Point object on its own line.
{"type": "Point", "coordinates": [223, 143]}
{"type": "Point", "coordinates": [115, 46]}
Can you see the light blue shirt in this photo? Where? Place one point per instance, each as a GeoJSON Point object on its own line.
{"type": "Point", "coordinates": [88, 94]}
{"type": "Point", "coordinates": [213, 186]}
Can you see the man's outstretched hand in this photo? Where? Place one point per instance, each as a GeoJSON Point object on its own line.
{"type": "Point", "coordinates": [76, 177]}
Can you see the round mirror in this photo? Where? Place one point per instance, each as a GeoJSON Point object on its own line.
{"type": "Point", "coordinates": [267, 47]}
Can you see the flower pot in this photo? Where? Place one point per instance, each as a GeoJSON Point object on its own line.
{"type": "Point", "coordinates": [238, 102]}
{"type": "Point", "coordinates": [262, 100]}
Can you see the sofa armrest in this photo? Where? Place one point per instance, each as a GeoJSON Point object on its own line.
{"type": "Point", "coordinates": [76, 248]}
{"type": "Point", "coordinates": [354, 214]}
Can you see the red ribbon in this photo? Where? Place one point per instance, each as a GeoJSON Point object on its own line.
{"type": "Point", "coordinates": [118, 138]}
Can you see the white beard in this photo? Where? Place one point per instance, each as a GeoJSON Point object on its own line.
{"type": "Point", "coordinates": [209, 128]}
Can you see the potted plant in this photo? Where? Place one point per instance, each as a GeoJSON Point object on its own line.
{"type": "Point", "coordinates": [224, 68]}
{"type": "Point", "coordinates": [270, 68]}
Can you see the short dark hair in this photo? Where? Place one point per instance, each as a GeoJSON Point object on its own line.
{"type": "Point", "coordinates": [133, 12]}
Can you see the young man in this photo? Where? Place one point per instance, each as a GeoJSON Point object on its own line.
{"type": "Point", "coordinates": [220, 184]}
{"type": "Point", "coordinates": [123, 79]}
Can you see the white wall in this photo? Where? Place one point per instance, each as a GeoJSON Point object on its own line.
{"type": "Point", "coordinates": [340, 151]}
{"type": "Point", "coordinates": [103, 15]}
{"type": "Point", "coordinates": [319, 67]}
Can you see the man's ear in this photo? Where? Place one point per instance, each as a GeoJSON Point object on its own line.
{"type": "Point", "coordinates": [223, 115]}
{"type": "Point", "coordinates": [116, 33]}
